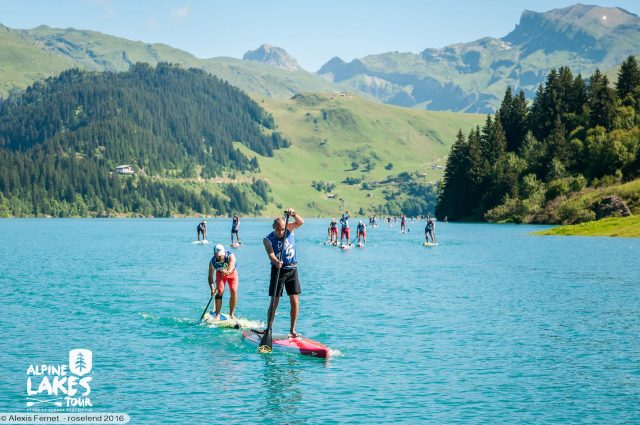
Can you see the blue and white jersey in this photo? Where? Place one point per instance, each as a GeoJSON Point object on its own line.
{"type": "Point", "coordinates": [289, 259]}
{"type": "Point", "coordinates": [224, 264]}
{"type": "Point", "coordinates": [235, 224]}
{"type": "Point", "coordinates": [344, 221]}
{"type": "Point", "coordinates": [360, 227]}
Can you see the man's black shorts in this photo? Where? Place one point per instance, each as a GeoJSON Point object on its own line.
{"type": "Point", "coordinates": [288, 279]}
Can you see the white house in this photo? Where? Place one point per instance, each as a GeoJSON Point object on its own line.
{"type": "Point", "coordinates": [124, 169]}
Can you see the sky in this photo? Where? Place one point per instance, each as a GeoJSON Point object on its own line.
{"type": "Point", "coordinates": [311, 31]}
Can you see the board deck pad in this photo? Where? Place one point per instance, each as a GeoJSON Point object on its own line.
{"type": "Point", "coordinates": [303, 346]}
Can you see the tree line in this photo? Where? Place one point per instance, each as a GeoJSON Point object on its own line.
{"type": "Point", "coordinates": [574, 133]}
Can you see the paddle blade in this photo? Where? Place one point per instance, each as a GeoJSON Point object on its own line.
{"type": "Point", "coordinates": [266, 342]}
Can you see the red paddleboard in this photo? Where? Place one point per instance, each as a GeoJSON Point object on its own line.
{"type": "Point", "coordinates": [304, 346]}
{"type": "Point", "coordinates": [360, 245]}
{"type": "Point", "coordinates": [235, 245]}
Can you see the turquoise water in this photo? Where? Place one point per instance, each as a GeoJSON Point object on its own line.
{"type": "Point", "coordinates": [491, 326]}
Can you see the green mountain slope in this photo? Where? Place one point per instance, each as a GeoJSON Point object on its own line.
{"type": "Point", "coordinates": [330, 132]}
{"type": "Point", "coordinates": [22, 63]}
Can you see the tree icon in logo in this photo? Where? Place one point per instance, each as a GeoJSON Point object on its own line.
{"type": "Point", "coordinates": [80, 361]}
{"type": "Point", "coordinates": [80, 364]}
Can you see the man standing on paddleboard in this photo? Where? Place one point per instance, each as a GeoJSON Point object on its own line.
{"type": "Point", "coordinates": [273, 244]}
{"type": "Point", "coordinates": [430, 230]}
{"type": "Point", "coordinates": [223, 264]}
{"type": "Point", "coordinates": [333, 232]}
{"type": "Point", "coordinates": [362, 232]}
{"type": "Point", "coordinates": [202, 228]}
{"type": "Point", "coordinates": [345, 232]}
{"type": "Point", "coordinates": [235, 227]}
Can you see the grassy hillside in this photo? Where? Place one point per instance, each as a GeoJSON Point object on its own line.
{"type": "Point", "coordinates": [330, 132]}
{"type": "Point", "coordinates": [628, 227]}
{"type": "Point", "coordinates": [21, 63]}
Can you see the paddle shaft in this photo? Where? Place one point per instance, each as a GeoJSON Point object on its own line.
{"type": "Point", "coordinates": [272, 309]}
{"type": "Point", "coordinates": [206, 308]}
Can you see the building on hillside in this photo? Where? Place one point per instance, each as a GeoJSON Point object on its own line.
{"type": "Point", "coordinates": [124, 169]}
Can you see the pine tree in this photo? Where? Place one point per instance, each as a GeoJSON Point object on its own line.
{"type": "Point", "coordinates": [513, 117]}
{"type": "Point", "coordinates": [601, 101]}
{"type": "Point", "coordinates": [628, 86]}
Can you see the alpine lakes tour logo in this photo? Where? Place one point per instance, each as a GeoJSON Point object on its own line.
{"type": "Point", "coordinates": [61, 385]}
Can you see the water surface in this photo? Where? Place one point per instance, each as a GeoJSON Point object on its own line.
{"type": "Point", "coordinates": [492, 326]}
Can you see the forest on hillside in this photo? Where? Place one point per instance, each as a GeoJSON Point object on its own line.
{"type": "Point", "coordinates": [527, 159]}
{"type": "Point", "coordinates": [62, 138]}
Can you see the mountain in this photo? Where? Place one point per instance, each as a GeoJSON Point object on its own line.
{"type": "Point", "coordinates": [30, 55]}
{"type": "Point", "coordinates": [467, 77]}
{"type": "Point", "coordinates": [274, 56]}
{"type": "Point", "coordinates": [473, 76]}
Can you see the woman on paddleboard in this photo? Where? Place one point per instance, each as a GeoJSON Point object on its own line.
{"type": "Point", "coordinates": [223, 265]}
{"type": "Point", "coordinates": [273, 244]}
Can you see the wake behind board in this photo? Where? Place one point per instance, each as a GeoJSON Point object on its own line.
{"type": "Point", "coordinates": [201, 242]}
{"type": "Point", "coordinates": [227, 322]}
{"type": "Point", "coordinates": [304, 346]}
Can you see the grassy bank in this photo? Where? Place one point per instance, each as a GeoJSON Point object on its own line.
{"type": "Point", "coordinates": [626, 227]}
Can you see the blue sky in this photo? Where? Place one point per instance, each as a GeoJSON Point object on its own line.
{"type": "Point", "coordinates": [311, 31]}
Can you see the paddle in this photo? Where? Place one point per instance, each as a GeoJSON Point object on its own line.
{"type": "Point", "coordinates": [206, 308]}
{"type": "Point", "coordinates": [266, 342]}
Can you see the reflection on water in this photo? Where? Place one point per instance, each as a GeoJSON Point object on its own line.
{"type": "Point", "coordinates": [281, 388]}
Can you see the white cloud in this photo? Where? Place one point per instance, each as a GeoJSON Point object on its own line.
{"type": "Point", "coordinates": [153, 23]}
{"type": "Point", "coordinates": [181, 12]}
{"type": "Point", "coordinates": [106, 5]}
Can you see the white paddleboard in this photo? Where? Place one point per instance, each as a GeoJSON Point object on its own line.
{"type": "Point", "coordinates": [227, 322]}
{"type": "Point", "coordinates": [201, 242]}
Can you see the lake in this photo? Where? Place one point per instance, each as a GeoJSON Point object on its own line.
{"type": "Point", "coordinates": [494, 325]}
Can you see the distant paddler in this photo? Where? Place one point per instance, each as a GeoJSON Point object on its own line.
{"type": "Point", "coordinates": [345, 231]}
{"type": "Point", "coordinates": [430, 229]}
{"type": "Point", "coordinates": [202, 230]}
{"type": "Point", "coordinates": [332, 232]}
{"type": "Point", "coordinates": [361, 230]}
{"type": "Point", "coordinates": [235, 228]}
{"type": "Point", "coordinates": [274, 243]}
{"type": "Point", "coordinates": [403, 223]}
{"type": "Point", "coordinates": [224, 266]}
